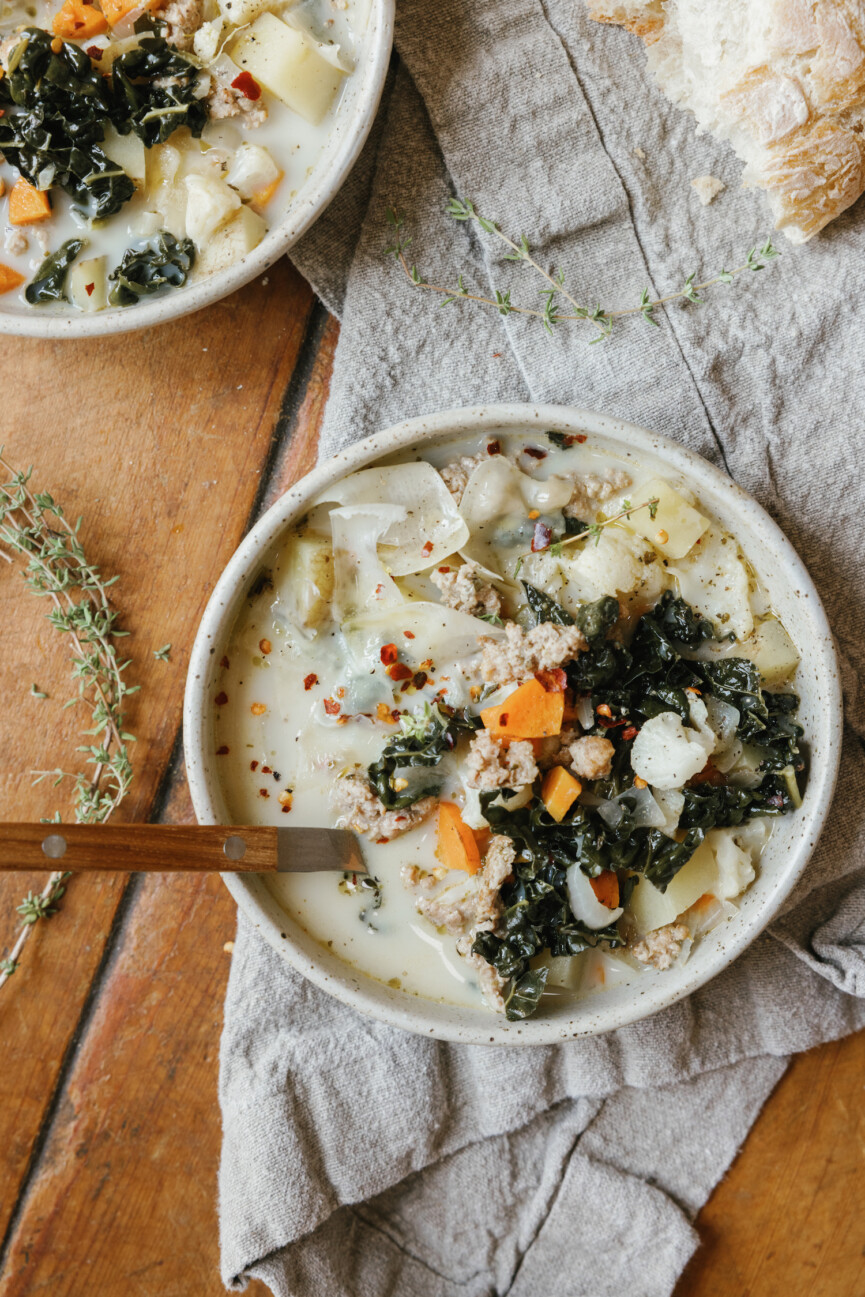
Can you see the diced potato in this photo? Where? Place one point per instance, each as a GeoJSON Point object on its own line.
{"type": "Point", "coordinates": [253, 171]}
{"type": "Point", "coordinates": [163, 164]}
{"type": "Point", "coordinates": [171, 202]}
{"type": "Point", "coordinates": [772, 651]}
{"type": "Point", "coordinates": [87, 284]}
{"type": "Point", "coordinates": [652, 908]}
{"type": "Point", "coordinates": [128, 152]}
{"type": "Point", "coordinates": [288, 64]}
{"type": "Point", "coordinates": [233, 240]}
{"type": "Point", "coordinates": [565, 970]}
{"type": "Point", "coordinates": [209, 204]}
{"type": "Point", "coordinates": [675, 518]}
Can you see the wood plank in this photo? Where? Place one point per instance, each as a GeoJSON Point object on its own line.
{"type": "Point", "coordinates": [136, 1133]}
{"type": "Point", "coordinates": [788, 1218]}
{"type": "Point", "coordinates": [159, 440]}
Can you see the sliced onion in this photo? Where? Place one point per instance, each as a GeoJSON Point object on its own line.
{"type": "Point", "coordinates": [585, 714]}
{"type": "Point", "coordinates": [585, 905]}
{"type": "Point", "coordinates": [723, 719]}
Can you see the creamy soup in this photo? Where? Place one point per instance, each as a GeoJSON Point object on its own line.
{"type": "Point", "coordinates": [547, 690]}
{"type": "Point", "coordinates": [147, 146]}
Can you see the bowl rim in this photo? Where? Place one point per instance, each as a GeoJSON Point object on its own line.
{"type": "Point", "coordinates": [324, 184]}
{"type": "Point", "coordinates": [415, 1013]}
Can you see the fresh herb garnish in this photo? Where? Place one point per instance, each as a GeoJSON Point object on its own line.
{"type": "Point", "coordinates": [550, 313]}
{"type": "Point", "coordinates": [164, 262]}
{"type": "Point", "coordinates": [49, 282]}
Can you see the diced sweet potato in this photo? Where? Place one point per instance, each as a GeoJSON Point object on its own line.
{"type": "Point", "coordinates": [530, 712]}
{"type": "Point", "coordinates": [9, 279]}
{"type": "Point", "coordinates": [115, 10]}
{"type": "Point", "coordinates": [27, 205]}
{"type": "Point", "coordinates": [457, 847]}
{"type": "Point", "coordinates": [606, 888]}
{"type": "Point", "coordinates": [78, 21]}
{"type": "Point", "coordinates": [559, 791]}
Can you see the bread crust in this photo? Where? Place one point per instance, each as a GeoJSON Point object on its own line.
{"type": "Point", "coordinates": [782, 80]}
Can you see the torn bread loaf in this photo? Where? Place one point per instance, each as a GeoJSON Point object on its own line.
{"type": "Point", "coordinates": [782, 80]}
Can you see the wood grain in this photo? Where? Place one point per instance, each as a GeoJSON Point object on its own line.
{"type": "Point", "coordinates": [146, 848]}
{"type": "Point", "coordinates": [159, 440]}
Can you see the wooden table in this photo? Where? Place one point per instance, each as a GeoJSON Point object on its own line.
{"type": "Point", "coordinates": [168, 443]}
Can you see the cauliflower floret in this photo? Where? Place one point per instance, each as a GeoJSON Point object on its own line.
{"type": "Point", "coordinates": [592, 757]}
{"type": "Point", "coordinates": [519, 655]}
{"type": "Point", "coordinates": [667, 754]}
{"type": "Point", "coordinates": [465, 589]}
{"type": "Point", "coordinates": [662, 947]}
{"type": "Point", "coordinates": [493, 764]}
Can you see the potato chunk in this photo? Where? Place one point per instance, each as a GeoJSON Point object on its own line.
{"type": "Point", "coordinates": [676, 526]}
{"type": "Point", "coordinates": [288, 64]}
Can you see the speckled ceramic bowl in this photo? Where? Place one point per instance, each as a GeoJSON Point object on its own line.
{"type": "Point", "coordinates": [794, 837]}
{"type": "Point", "coordinates": [354, 119]}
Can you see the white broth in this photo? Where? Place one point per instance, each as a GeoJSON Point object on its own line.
{"type": "Point", "coordinates": [346, 643]}
{"type": "Point", "coordinates": [218, 181]}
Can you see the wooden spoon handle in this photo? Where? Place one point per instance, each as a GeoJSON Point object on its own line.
{"type": "Point", "coordinates": [148, 848]}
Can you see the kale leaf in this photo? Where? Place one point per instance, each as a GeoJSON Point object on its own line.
{"type": "Point", "coordinates": [544, 608]}
{"type": "Point", "coordinates": [596, 619]}
{"type": "Point", "coordinates": [155, 91]}
{"type": "Point", "coordinates": [49, 282]}
{"type": "Point", "coordinates": [164, 262]}
{"type": "Point", "coordinates": [423, 742]}
{"type": "Point", "coordinates": [524, 995]}
{"type": "Point", "coordinates": [56, 139]}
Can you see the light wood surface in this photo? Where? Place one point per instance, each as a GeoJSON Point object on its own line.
{"type": "Point", "coordinates": [167, 443]}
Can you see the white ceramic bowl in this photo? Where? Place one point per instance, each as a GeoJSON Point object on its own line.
{"type": "Point", "coordinates": [794, 836]}
{"type": "Point", "coordinates": [353, 122]}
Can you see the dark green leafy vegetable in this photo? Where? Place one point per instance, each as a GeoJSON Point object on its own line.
{"type": "Point", "coordinates": [57, 107]}
{"type": "Point", "coordinates": [596, 619]}
{"type": "Point", "coordinates": [55, 139]}
{"type": "Point", "coordinates": [164, 262]}
{"type": "Point", "coordinates": [155, 91]}
{"type": "Point", "coordinates": [49, 282]}
{"type": "Point", "coordinates": [544, 608]}
{"type": "Point", "coordinates": [424, 741]}
{"type": "Point", "coordinates": [523, 996]}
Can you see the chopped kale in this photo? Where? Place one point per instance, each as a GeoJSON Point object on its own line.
{"type": "Point", "coordinates": [49, 282]}
{"type": "Point", "coordinates": [424, 740]}
{"type": "Point", "coordinates": [155, 90]}
{"type": "Point", "coordinates": [57, 107]}
{"type": "Point", "coordinates": [55, 139]}
{"type": "Point", "coordinates": [596, 619]}
{"type": "Point", "coordinates": [544, 608]}
{"type": "Point", "coordinates": [523, 996]}
{"type": "Point", "coordinates": [164, 262]}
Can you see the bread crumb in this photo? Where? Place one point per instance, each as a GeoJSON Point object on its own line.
{"type": "Point", "coordinates": [707, 188]}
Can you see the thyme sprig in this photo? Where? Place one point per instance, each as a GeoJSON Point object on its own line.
{"type": "Point", "coordinates": [556, 297]}
{"type": "Point", "coordinates": [55, 567]}
{"type": "Point", "coordinates": [594, 530]}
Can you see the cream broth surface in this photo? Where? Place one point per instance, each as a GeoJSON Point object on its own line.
{"type": "Point", "coordinates": [281, 749]}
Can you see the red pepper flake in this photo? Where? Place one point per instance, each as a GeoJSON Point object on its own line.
{"type": "Point", "coordinates": [247, 85]}
{"type": "Point", "coordinates": [611, 724]}
{"type": "Point", "coordinates": [265, 646]}
{"type": "Point", "coordinates": [426, 665]}
{"type": "Point", "coordinates": [265, 770]}
{"type": "Point", "coordinates": [604, 709]}
{"type": "Point", "coordinates": [420, 679]}
{"type": "Point", "coordinates": [263, 792]}
{"type": "Point", "coordinates": [542, 537]}
{"type": "Point", "coordinates": [399, 671]}
{"type": "Point", "coordinates": [88, 288]}
{"type": "Point", "coordinates": [225, 664]}
{"type": "Point", "coordinates": [223, 751]}
{"type": "Point", "coordinates": [534, 452]}
{"type": "Point", "coordinates": [331, 706]}
{"type": "Point", "coordinates": [580, 437]}
{"type": "Point", "coordinates": [381, 841]}
{"type": "Point", "coordinates": [395, 715]}
{"type": "Point", "coordinates": [553, 681]}
{"type": "Point", "coordinates": [253, 765]}
{"type": "Point", "coordinates": [710, 774]}
{"type": "Point", "coordinates": [410, 634]}
{"type": "Point", "coordinates": [310, 680]}
{"type": "Point", "coordinates": [630, 733]}
{"type": "Point", "coordinates": [93, 52]}
{"type": "Point", "coordinates": [494, 447]}
{"type": "Point", "coordinates": [389, 654]}
{"type": "Point", "coordinates": [503, 719]}
{"type": "Point", "coordinates": [427, 548]}
{"type": "Point", "coordinates": [221, 698]}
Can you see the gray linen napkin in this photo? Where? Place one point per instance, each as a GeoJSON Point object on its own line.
{"type": "Point", "coordinates": [359, 1160]}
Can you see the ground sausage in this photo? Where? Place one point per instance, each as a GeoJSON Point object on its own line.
{"type": "Point", "coordinates": [520, 654]}
{"type": "Point", "coordinates": [493, 764]}
{"type": "Point", "coordinates": [464, 589]}
{"type": "Point", "coordinates": [592, 757]}
{"type": "Point", "coordinates": [358, 808]}
{"type": "Point", "coordinates": [662, 947]}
